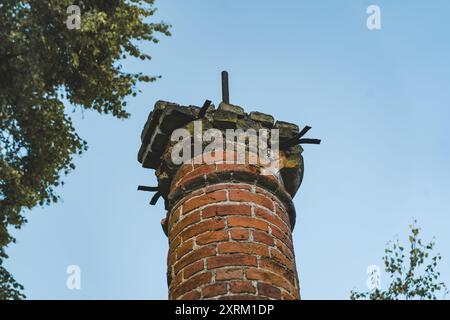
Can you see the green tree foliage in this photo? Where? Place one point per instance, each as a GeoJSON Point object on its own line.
{"type": "Point", "coordinates": [413, 274]}
{"type": "Point", "coordinates": [43, 64]}
{"type": "Point", "coordinates": [9, 288]}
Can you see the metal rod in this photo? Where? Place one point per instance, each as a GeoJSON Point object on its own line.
{"type": "Point", "coordinates": [304, 131]}
{"type": "Point", "coordinates": [155, 198]}
{"type": "Point", "coordinates": [204, 109]}
{"type": "Point", "coordinates": [148, 189]}
{"type": "Point", "coordinates": [309, 141]}
{"type": "Point", "coordinates": [225, 88]}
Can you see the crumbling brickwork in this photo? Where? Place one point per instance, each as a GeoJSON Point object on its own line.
{"type": "Point", "coordinates": [229, 225]}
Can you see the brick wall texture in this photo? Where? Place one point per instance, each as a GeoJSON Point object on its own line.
{"type": "Point", "coordinates": [229, 225]}
{"type": "Point", "coordinates": [229, 240]}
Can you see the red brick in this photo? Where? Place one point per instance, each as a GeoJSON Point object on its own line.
{"type": "Point", "coordinates": [262, 237]}
{"type": "Point", "coordinates": [239, 234]}
{"type": "Point", "coordinates": [247, 222]}
{"type": "Point", "coordinates": [184, 223]}
{"type": "Point", "coordinates": [200, 201]}
{"type": "Point", "coordinates": [274, 266]}
{"type": "Point", "coordinates": [242, 287]}
{"type": "Point", "coordinates": [185, 248]}
{"type": "Point", "coordinates": [197, 193]}
{"type": "Point", "coordinates": [213, 157]}
{"type": "Point", "coordinates": [207, 225]}
{"type": "Point", "coordinates": [265, 192]}
{"type": "Point", "coordinates": [194, 256]}
{"type": "Point", "coordinates": [228, 274]}
{"type": "Point", "coordinates": [183, 171]}
{"type": "Point", "coordinates": [174, 242]}
{"type": "Point", "coordinates": [198, 171]}
{"type": "Point", "coordinates": [282, 214]}
{"type": "Point", "coordinates": [176, 281]}
{"type": "Point", "coordinates": [269, 278]}
{"type": "Point", "coordinates": [219, 156]}
{"type": "Point", "coordinates": [285, 238]}
{"type": "Point", "coordinates": [191, 284]}
{"type": "Point", "coordinates": [192, 295]}
{"type": "Point", "coordinates": [207, 232]}
{"type": "Point", "coordinates": [281, 258]}
{"type": "Point", "coordinates": [174, 216]}
{"type": "Point", "coordinates": [273, 219]}
{"type": "Point", "coordinates": [240, 247]}
{"type": "Point", "coordinates": [269, 291]}
{"type": "Point", "coordinates": [244, 297]}
{"type": "Point", "coordinates": [171, 258]}
{"type": "Point", "coordinates": [245, 196]}
{"type": "Point", "coordinates": [226, 209]}
{"type": "Point", "coordinates": [229, 186]}
{"type": "Point", "coordinates": [193, 269]}
{"type": "Point", "coordinates": [284, 249]}
{"type": "Point", "coordinates": [231, 260]}
{"type": "Point", "coordinates": [236, 167]}
{"type": "Point", "coordinates": [287, 296]}
{"type": "Point", "coordinates": [214, 290]}
{"type": "Point", "coordinates": [186, 180]}
{"type": "Point", "coordinates": [213, 236]}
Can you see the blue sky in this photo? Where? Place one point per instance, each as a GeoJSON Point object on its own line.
{"type": "Point", "coordinates": [379, 100]}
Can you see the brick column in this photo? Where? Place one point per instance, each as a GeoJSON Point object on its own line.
{"type": "Point", "coordinates": [229, 225]}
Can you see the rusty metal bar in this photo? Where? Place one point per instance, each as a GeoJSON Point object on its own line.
{"type": "Point", "coordinates": [225, 88]}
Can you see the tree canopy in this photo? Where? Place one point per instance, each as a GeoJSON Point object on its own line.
{"type": "Point", "coordinates": [45, 65]}
{"type": "Point", "coordinates": [413, 273]}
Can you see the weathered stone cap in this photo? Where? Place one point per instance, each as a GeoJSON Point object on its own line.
{"type": "Point", "coordinates": [161, 122]}
{"type": "Point", "coordinates": [168, 116]}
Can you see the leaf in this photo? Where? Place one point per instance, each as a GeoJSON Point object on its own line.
{"type": "Point", "coordinates": [43, 64]}
{"type": "Point", "coordinates": [417, 280]}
